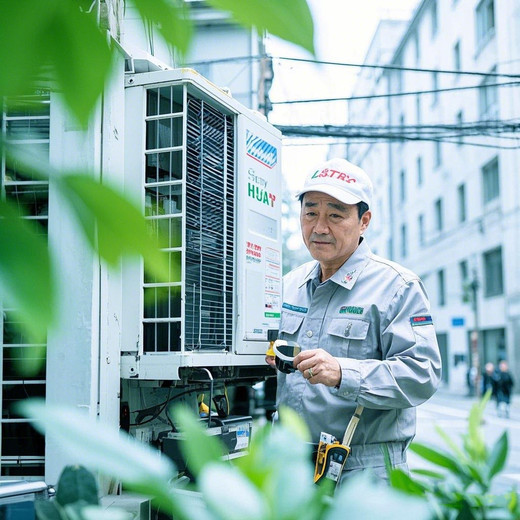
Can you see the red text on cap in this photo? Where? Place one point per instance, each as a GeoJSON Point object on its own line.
{"type": "Point", "coordinates": [329, 172]}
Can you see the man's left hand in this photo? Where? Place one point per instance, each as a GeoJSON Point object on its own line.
{"type": "Point", "coordinates": [318, 366]}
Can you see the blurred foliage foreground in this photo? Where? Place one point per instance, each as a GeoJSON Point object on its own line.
{"type": "Point", "coordinates": [68, 47]}
{"type": "Point", "coordinates": [273, 481]}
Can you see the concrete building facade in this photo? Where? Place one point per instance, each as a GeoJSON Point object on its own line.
{"type": "Point", "coordinates": [447, 182]}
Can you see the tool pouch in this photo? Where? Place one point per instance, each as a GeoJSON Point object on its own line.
{"type": "Point", "coordinates": [330, 459]}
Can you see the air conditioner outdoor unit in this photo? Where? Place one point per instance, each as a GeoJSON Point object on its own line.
{"type": "Point", "coordinates": [207, 173]}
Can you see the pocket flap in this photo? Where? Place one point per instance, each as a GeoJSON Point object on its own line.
{"type": "Point", "coordinates": [348, 328]}
{"type": "Point", "coordinates": [290, 323]}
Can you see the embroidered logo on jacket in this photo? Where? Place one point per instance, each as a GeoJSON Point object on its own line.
{"type": "Point", "coordinates": [424, 319]}
{"type": "Point", "coordinates": [294, 308]}
{"type": "Point", "coordinates": [348, 277]}
{"type": "Point", "coordinates": [347, 309]}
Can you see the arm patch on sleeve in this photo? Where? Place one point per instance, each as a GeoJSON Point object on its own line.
{"type": "Point", "coordinates": [423, 319]}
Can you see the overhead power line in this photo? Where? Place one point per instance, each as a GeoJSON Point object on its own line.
{"type": "Point", "coordinates": [500, 129]}
{"type": "Point", "coordinates": [259, 57]}
{"type": "Point", "coordinates": [398, 94]}
{"type": "Point", "coordinates": [400, 68]}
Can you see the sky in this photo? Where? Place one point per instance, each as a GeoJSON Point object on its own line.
{"type": "Point", "coordinates": [343, 32]}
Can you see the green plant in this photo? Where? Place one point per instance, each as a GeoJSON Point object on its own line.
{"type": "Point", "coordinates": [273, 481]}
{"type": "Point", "coordinates": [461, 487]}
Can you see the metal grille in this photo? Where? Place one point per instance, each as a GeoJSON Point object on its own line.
{"type": "Point", "coordinates": [209, 227]}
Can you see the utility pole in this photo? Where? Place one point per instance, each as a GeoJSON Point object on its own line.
{"type": "Point", "coordinates": [475, 358]}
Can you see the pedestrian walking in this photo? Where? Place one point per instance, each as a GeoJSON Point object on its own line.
{"type": "Point", "coordinates": [504, 386]}
{"type": "Point", "coordinates": [489, 379]}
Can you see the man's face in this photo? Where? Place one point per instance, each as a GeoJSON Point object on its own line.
{"type": "Point", "coordinates": [330, 229]}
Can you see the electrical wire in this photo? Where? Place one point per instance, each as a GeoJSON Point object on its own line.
{"type": "Point", "coordinates": [162, 406]}
{"type": "Point", "coordinates": [400, 68]}
{"type": "Point", "coordinates": [356, 65]}
{"type": "Point", "coordinates": [397, 94]}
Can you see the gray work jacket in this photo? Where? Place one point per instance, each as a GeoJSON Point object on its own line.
{"type": "Point", "coordinates": [373, 315]}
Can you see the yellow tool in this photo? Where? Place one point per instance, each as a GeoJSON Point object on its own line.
{"type": "Point", "coordinates": [272, 334]}
{"type": "Point", "coordinates": [332, 455]}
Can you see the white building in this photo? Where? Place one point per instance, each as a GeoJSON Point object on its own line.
{"type": "Point", "coordinates": [97, 305]}
{"type": "Point", "coordinates": [450, 204]}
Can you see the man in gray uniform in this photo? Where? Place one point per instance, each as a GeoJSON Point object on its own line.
{"type": "Point", "coordinates": [363, 324]}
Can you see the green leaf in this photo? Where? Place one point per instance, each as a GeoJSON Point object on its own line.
{"type": "Point", "coordinates": [113, 225]}
{"type": "Point", "coordinates": [198, 447]}
{"type": "Point", "coordinates": [437, 457]}
{"type": "Point", "coordinates": [288, 19]}
{"type": "Point", "coordinates": [103, 448]}
{"type": "Point", "coordinates": [474, 440]}
{"type": "Point", "coordinates": [100, 513]}
{"type": "Point", "coordinates": [459, 453]}
{"type": "Point", "coordinates": [22, 47]}
{"type": "Point", "coordinates": [402, 481]}
{"type": "Point", "coordinates": [172, 19]}
{"type": "Point", "coordinates": [80, 56]}
{"type": "Point", "coordinates": [229, 494]}
{"type": "Point", "coordinates": [292, 422]}
{"type": "Point", "coordinates": [49, 510]}
{"type": "Point", "coordinates": [54, 44]}
{"type": "Point", "coordinates": [498, 456]}
{"type": "Point", "coordinates": [77, 483]}
{"type": "Point", "coordinates": [26, 276]}
{"type": "Point", "coordinates": [429, 473]}
{"type": "Point", "coordinates": [362, 498]}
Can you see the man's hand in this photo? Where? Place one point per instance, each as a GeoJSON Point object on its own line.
{"type": "Point", "coordinates": [270, 361]}
{"type": "Point", "coordinates": [318, 366]}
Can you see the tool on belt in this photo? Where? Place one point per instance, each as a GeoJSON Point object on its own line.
{"type": "Point", "coordinates": [332, 455]}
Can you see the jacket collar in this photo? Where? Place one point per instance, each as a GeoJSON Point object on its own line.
{"type": "Point", "coordinates": [349, 272]}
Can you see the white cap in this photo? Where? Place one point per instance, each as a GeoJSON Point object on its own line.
{"type": "Point", "coordinates": [342, 180]}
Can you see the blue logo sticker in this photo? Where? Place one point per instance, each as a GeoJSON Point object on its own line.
{"type": "Point", "coordinates": [261, 150]}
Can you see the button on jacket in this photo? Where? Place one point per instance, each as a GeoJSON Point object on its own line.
{"type": "Point", "coordinates": [374, 317]}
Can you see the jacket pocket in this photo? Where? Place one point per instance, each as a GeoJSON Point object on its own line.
{"type": "Point", "coordinates": [289, 325]}
{"type": "Point", "coordinates": [348, 336]}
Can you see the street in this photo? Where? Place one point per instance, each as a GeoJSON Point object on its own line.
{"type": "Point", "coordinates": [450, 412]}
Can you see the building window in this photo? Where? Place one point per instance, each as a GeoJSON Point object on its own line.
{"type": "Point", "coordinates": [435, 87]}
{"type": "Point", "coordinates": [437, 153]}
{"type": "Point", "coordinates": [439, 223]}
{"type": "Point", "coordinates": [441, 288]}
{"type": "Point", "coordinates": [456, 56]}
{"type": "Point", "coordinates": [461, 197]}
{"type": "Point", "coordinates": [493, 275]}
{"type": "Point", "coordinates": [402, 186]}
{"type": "Point", "coordinates": [404, 240]}
{"type": "Point", "coordinates": [417, 47]}
{"type": "Point", "coordinates": [464, 279]}
{"type": "Point", "coordinates": [420, 224]}
{"type": "Point", "coordinates": [418, 109]}
{"type": "Point", "coordinates": [490, 181]}
{"type": "Point", "coordinates": [420, 178]}
{"type": "Point", "coordinates": [401, 127]}
{"type": "Point", "coordinates": [460, 121]}
{"type": "Point", "coordinates": [488, 97]}
{"type": "Point", "coordinates": [485, 19]}
{"type": "Point", "coordinates": [435, 18]}
{"type": "Point", "coordinates": [399, 76]}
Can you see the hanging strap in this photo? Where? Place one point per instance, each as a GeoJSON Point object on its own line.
{"type": "Point", "coordinates": [352, 425]}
